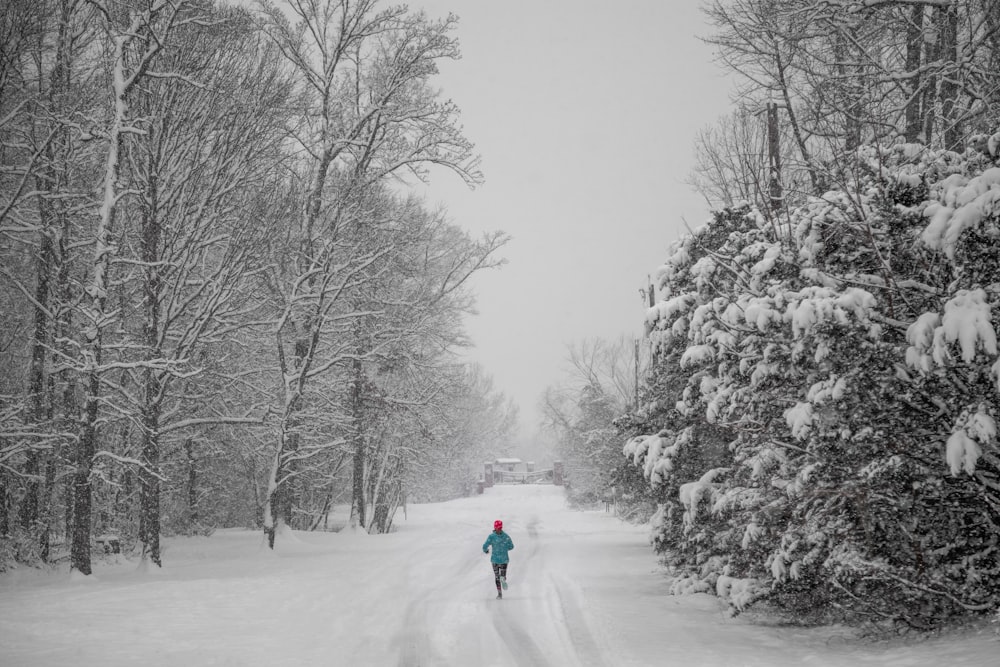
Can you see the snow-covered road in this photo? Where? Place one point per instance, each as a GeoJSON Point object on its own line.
{"type": "Point", "coordinates": [585, 589]}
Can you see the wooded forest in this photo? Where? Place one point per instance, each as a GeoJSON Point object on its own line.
{"type": "Point", "coordinates": [223, 304]}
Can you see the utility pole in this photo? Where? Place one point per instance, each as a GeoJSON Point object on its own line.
{"type": "Point", "coordinates": [651, 298]}
{"type": "Point", "coordinates": [637, 375]}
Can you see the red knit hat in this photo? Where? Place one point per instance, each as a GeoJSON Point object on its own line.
{"type": "Point", "coordinates": [498, 525]}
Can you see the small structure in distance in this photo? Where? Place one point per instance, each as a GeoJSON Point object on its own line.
{"type": "Point", "coordinates": [516, 471]}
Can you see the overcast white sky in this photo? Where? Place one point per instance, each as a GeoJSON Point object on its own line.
{"type": "Point", "coordinates": [584, 112]}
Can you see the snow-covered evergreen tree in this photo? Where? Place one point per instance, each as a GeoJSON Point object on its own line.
{"type": "Point", "coordinates": [831, 443]}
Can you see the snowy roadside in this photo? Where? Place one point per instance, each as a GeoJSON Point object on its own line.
{"type": "Point", "coordinates": [585, 589]}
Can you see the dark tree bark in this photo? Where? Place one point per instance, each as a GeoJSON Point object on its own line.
{"type": "Point", "coordinates": [51, 218]}
{"type": "Point", "coordinates": [849, 88]}
{"type": "Point", "coordinates": [149, 479]}
{"type": "Point", "coordinates": [149, 472]}
{"type": "Point", "coordinates": [45, 510]}
{"type": "Point", "coordinates": [914, 51]}
{"type": "Point", "coordinates": [85, 450]}
{"type": "Point", "coordinates": [950, 89]}
{"type": "Point", "coordinates": [929, 97]}
{"type": "Point", "coordinates": [4, 509]}
{"type": "Point", "coordinates": [192, 481]}
{"type": "Point", "coordinates": [800, 142]}
{"type": "Point", "coordinates": [360, 451]}
{"type": "Point", "coordinates": [37, 394]}
{"type": "Point", "coordinates": [135, 45]}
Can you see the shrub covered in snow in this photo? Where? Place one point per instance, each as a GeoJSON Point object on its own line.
{"type": "Point", "coordinates": [821, 412]}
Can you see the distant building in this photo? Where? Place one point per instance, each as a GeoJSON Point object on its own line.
{"type": "Point", "coordinates": [509, 470]}
{"type": "Point", "coordinates": [509, 465]}
{"type": "Point", "coordinates": [516, 471]}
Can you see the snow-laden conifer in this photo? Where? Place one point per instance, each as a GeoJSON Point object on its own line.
{"type": "Point", "coordinates": [837, 386]}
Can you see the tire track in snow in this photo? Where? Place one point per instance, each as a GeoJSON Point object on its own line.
{"type": "Point", "coordinates": [561, 615]}
{"type": "Point", "coordinates": [532, 527]}
{"type": "Point", "coordinates": [413, 640]}
{"type": "Point", "coordinates": [522, 647]}
{"type": "Point", "coordinates": [432, 602]}
{"type": "Point", "coordinates": [515, 629]}
{"type": "Point", "coordinates": [526, 628]}
{"type": "Point", "coordinates": [579, 633]}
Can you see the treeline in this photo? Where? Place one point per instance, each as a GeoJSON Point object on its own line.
{"type": "Point", "coordinates": [600, 382]}
{"type": "Point", "coordinates": [221, 304]}
{"type": "Point", "coordinates": [840, 74]}
{"type": "Point", "coordinates": [818, 425]}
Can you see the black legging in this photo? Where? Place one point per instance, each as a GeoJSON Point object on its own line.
{"type": "Point", "coordinates": [499, 570]}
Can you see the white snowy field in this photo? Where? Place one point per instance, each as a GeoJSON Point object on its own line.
{"type": "Point", "coordinates": [585, 589]}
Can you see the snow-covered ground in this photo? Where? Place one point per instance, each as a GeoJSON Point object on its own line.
{"type": "Point", "coordinates": [585, 589]}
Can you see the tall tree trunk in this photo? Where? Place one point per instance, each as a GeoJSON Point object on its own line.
{"type": "Point", "coordinates": [69, 407]}
{"type": "Point", "coordinates": [360, 451]}
{"type": "Point", "coordinates": [278, 505]}
{"type": "Point", "coordinates": [67, 402]}
{"type": "Point", "coordinates": [814, 178]}
{"type": "Point", "coordinates": [37, 384]}
{"type": "Point", "coordinates": [45, 509]}
{"type": "Point", "coordinates": [69, 502]}
{"type": "Point", "coordinates": [991, 12]}
{"type": "Point", "coordinates": [92, 345]}
{"type": "Point", "coordinates": [914, 50]}
{"type": "Point", "coordinates": [192, 481]}
{"type": "Point", "coordinates": [929, 98]}
{"type": "Point", "coordinates": [85, 450]}
{"type": "Point", "coordinates": [4, 508]}
{"type": "Point", "coordinates": [850, 85]}
{"type": "Point", "coordinates": [152, 379]}
{"type": "Point", "coordinates": [324, 514]}
{"type": "Point", "coordinates": [270, 501]}
{"type": "Point", "coordinates": [149, 482]}
{"type": "Point", "coordinates": [387, 493]}
{"type": "Point", "coordinates": [283, 500]}
{"type": "Point", "coordinates": [950, 90]}
{"type": "Point", "coordinates": [55, 223]}
{"type": "Point", "coordinates": [135, 46]}
{"type": "Point", "coordinates": [49, 180]}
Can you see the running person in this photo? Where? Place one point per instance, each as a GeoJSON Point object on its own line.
{"type": "Point", "coordinates": [501, 543]}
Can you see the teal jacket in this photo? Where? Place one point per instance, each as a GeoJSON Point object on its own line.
{"type": "Point", "coordinates": [501, 544]}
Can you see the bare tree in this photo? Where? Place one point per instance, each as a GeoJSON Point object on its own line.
{"type": "Point", "coordinates": [212, 128]}
{"type": "Point", "coordinates": [134, 35]}
{"type": "Point", "coordinates": [852, 72]}
{"type": "Point", "coordinates": [731, 162]}
{"type": "Point", "coordinates": [752, 40]}
{"type": "Point", "coordinates": [249, 293]}
{"type": "Point", "coordinates": [41, 172]}
{"type": "Point", "coordinates": [468, 423]}
{"type": "Point", "coordinates": [375, 116]}
{"type": "Point", "coordinates": [413, 327]}
{"type": "Point", "coordinates": [599, 386]}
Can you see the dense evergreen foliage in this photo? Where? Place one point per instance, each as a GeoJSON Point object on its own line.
{"type": "Point", "coordinates": [821, 411]}
{"type": "Point", "coordinates": [818, 424]}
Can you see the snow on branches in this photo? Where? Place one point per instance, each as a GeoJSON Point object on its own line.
{"type": "Point", "coordinates": [844, 373]}
{"type": "Point", "coordinates": [655, 453]}
{"type": "Point", "coordinates": [964, 204]}
{"type": "Point", "coordinates": [967, 320]}
{"type": "Point", "coordinates": [971, 430]}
